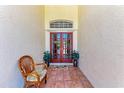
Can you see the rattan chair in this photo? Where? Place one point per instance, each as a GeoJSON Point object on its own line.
{"type": "Point", "coordinates": [34, 74]}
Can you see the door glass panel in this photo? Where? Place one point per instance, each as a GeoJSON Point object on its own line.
{"type": "Point", "coordinates": [69, 35]}
{"type": "Point", "coordinates": [56, 46]}
{"type": "Point", "coordinates": [56, 56]}
{"type": "Point", "coordinates": [65, 56]}
{"type": "Point", "coordinates": [64, 43]}
{"type": "Point", "coordinates": [61, 46]}
{"type": "Point", "coordinates": [55, 36]}
{"type": "Point", "coordinates": [64, 35]}
{"type": "Point", "coordinates": [67, 45]}
{"type": "Point", "coordinates": [58, 35]}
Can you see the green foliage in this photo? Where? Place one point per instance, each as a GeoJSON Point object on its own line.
{"type": "Point", "coordinates": [47, 56]}
{"type": "Point", "coordinates": [75, 55]}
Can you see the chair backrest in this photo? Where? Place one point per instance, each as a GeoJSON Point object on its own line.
{"type": "Point", "coordinates": [26, 65]}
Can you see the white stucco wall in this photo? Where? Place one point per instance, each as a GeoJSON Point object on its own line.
{"type": "Point", "coordinates": [54, 12]}
{"type": "Point", "coordinates": [66, 12]}
{"type": "Point", "coordinates": [101, 44]}
{"type": "Point", "coordinates": [21, 32]}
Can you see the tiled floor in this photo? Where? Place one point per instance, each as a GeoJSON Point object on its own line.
{"type": "Point", "coordinates": [66, 77]}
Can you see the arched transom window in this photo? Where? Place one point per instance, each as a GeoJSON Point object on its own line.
{"type": "Point", "coordinates": [61, 24]}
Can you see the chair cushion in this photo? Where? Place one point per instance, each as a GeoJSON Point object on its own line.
{"type": "Point", "coordinates": [32, 76]}
{"type": "Point", "coordinates": [41, 72]}
{"type": "Point", "coordinates": [39, 68]}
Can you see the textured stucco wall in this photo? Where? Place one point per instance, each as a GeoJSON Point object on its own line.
{"type": "Point", "coordinates": [21, 32]}
{"type": "Point", "coordinates": [66, 12]}
{"type": "Point", "coordinates": [101, 44]}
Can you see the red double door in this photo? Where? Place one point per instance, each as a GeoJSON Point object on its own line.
{"type": "Point", "coordinates": [61, 45]}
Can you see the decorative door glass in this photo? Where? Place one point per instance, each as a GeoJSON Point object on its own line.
{"type": "Point", "coordinates": [61, 46]}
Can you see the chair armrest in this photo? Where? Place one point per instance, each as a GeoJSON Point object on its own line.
{"type": "Point", "coordinates": [42, 64]}
{"type": "Point", "coordinates": [33, 77]}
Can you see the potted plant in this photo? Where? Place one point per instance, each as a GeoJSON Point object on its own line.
{"type": "Point", "coordinates": [47, 57]}
{"type": "Point", "coordinates": [75, 57]}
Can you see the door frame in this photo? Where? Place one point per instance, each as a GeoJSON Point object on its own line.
{"type": "Point", "coordinates": [61, 45]}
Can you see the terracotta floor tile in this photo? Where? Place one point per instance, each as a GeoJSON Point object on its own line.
{"type": "Point", "coordinates": [68, 84]}
{"type": "Point", "coordinates": [68, 77]}
{"type": "Point", "coordinates": [51, 79]}
{"type": "Point", "coordinates": [83, 78]}
{"type": "Point", "coordinates": [75, 77]}
{"type": "Point", "coordinates": [59, 84]}
{"type": "Point", "coordinates": [87, 84]}
{"type": "Point", "coordinates": [53, 72]}
{"type": "Point", "coordinates": [77, 84]}
{"type": "Point", "coordinates": [59, 77]}
{"type": "Point", "coordinates": [50, 85]}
